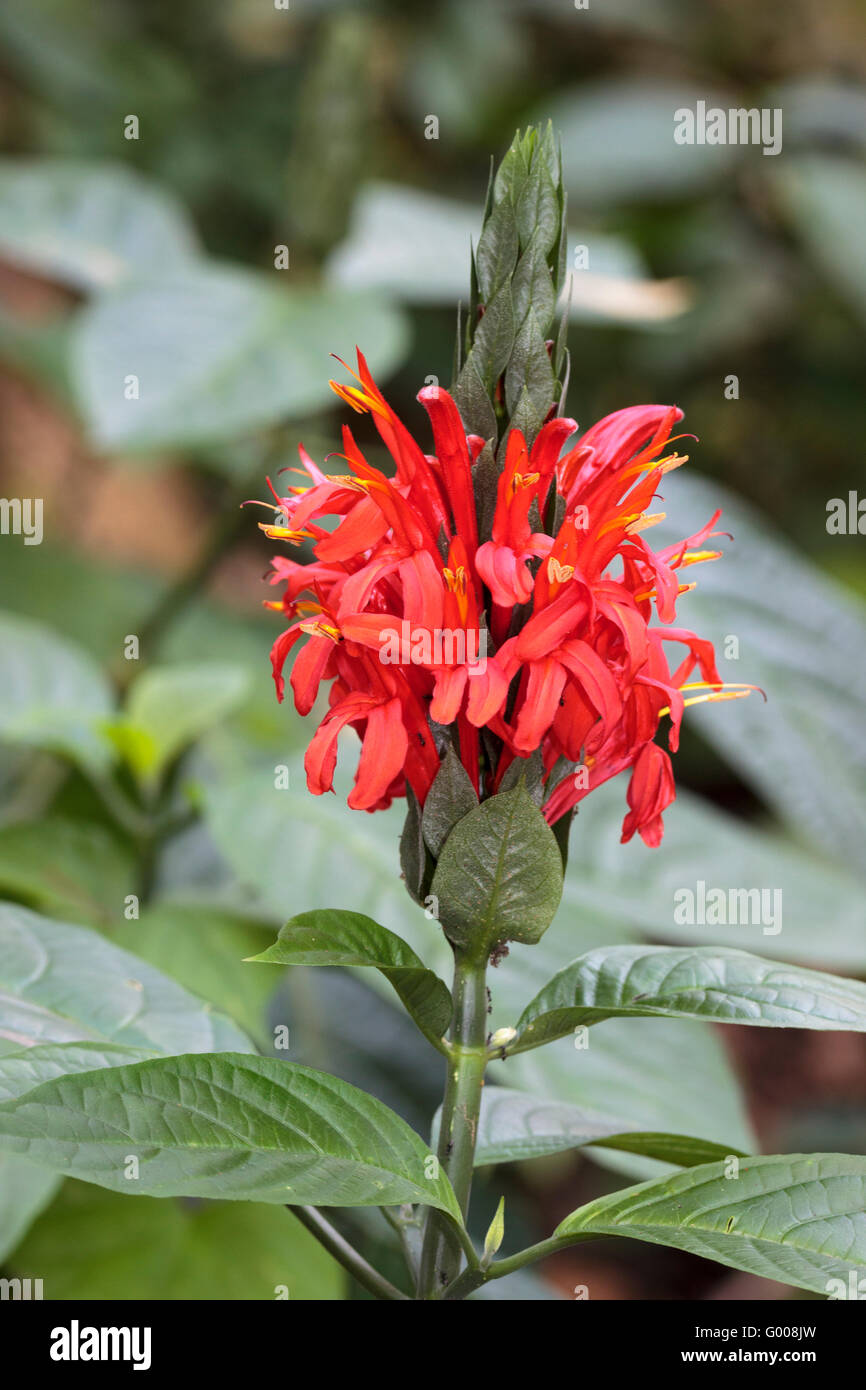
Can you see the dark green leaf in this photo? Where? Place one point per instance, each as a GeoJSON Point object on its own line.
{"type": "Point", "coordinates": [225, 1125]}
{"type": "Point", "coordinates": [499, 877]}
{"type": "Point", "coordinates": [415, 860]}
{"type": "Point", "coordinates": [515, 1125]}
{"type": "Point", "coordinates": [798, 1218]}
{"type": "Point", "coordinates": [329, 937]}
{"type": "Point", "coordinates": [451, 797]}
{"type": "Point", "coordinates": [703, 982]}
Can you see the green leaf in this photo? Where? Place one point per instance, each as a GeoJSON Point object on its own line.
{"type": "Point", "coordinates": [495, 1234]}
{"type": "Point", "coordinates": [25, 1191]}
{"type": "Point", "coordinates": [225, 1125]}
{"type": "Point", "coordinates": [100, 1246]}
{"type": "Point", "coordinates": [54, 695]}
{"type": "Point", "coordinates": [202, 947]}
{"type": "Point", "coordinates": [811, 909]}
{"type": "Point", "coordinates": [514, 1125]}
{"type": "Point", "coordinates": [334, 852]}
{"type": "Point", "coordinates": [618, 141]}
{"type": "Point", "coordinates": [218, 351]}
{"type": "Point", "coordinates": [336, 937]}
{"type": "Point", "coordinates": [170, 706]}
{"type": "Point", "coordinates": [451, 797]}
{"type": "Point", "coordinates": [798, 1218]}
{"type": "Point", "coordinates": [27, 1067]}
{"type": "Point", "coordinates": [74, 868]}
{"type": "Point", "coordinates": [88, 225]}
{"type": "Point", "coordinates": [66, 984]}
{"type": "Point", "coordinates": [416, 861]}
{"type": "Point", "coordinates": [702, 982]}
{"type": "Point", "coordinates": [415, 245]}
{"type": "Point", "coordinates": [625, 1069]}
{"type": "Point", "coordinates": [339, 855]}
{"type": "Point", "coordinates": [499, 877]}
{"type": "Point", "coordinates": [825, 198]}
{"type": "Point", "coordinates": [801, 637]}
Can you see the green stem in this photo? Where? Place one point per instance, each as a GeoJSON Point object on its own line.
{"type": "Point", "coordinates": [346, 1254]}
{"type": "Point", "coordinates": [472, 1279]}
{"type": "Point", "coordinates": [443, 1248]}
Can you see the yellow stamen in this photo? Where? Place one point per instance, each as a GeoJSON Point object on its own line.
{"type": "Point", "coordinates": [521, 480]}
{"type": "Point", "coordinates": [283, 533]}
{"type": "Point", "coordinates": [666, 465]}
{"type": "Point", "coordinates": [644, 522]}
{"type": "Point", "coordinates": [653, 593]}
{"type": "Point", "coordinates": [697, 557]}
{"type": "Point", "coordinates": [350, 481]}
{"type": "Point", "coordinates": [726, 690]}
{"type": "Point", "coordinates": [624, 521]}
{"type": "Point", "coordinates": [358, 398]}
{"type": "Point", "coordinates": [320, 629]}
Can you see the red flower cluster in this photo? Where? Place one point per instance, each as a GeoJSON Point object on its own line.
{"type": "Point", "coordinates": [542, 639]}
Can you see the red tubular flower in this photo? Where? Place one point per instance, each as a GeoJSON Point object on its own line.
{"type": "Point", "coordinates": [428, 630]}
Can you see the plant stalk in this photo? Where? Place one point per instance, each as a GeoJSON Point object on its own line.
{"type": "Point", "coordinates": [442, 1250]}
{"type": "Point", "coordinates": [346, 1254]}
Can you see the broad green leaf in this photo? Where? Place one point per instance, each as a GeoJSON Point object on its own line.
{"type": "Point", "coordinates": [499, 877]}
{"type": "Point", "coordinates": [825, 198]}
{"type": "Point", "coordinates": [802, 638]}
{"type": "Point", "coordinates": [88, 225]}
{"type": "Point", "coordinates": [27, 1067]}
{"type": "Point", "coordinates": [330, 937]}
{"type": "Point", "coordinates": [515, 1125]}
{"type": "Point", "coordinates": [169, 707]}
{"type": "Point", "coordinates": [702, 982]}
{"type": "Point", "coordinates": [73, 868]}
{"type": "Point", "coordinates": [54, 695]}
{"type": "Point", "coordinates": [225, 1125]}
{"type": "Point", "coordinates": [217, 351]}
{"type": "Point", "coordinates": [202, 947]}
{"type": "Point", "coordinates": [415, 245]}
{"type": "Point", "coordinates": [618, 140]}
{"type": "Point", "coordinates": [625, 1069]}
{"type": "Point", "coordinates": [25, 1191]}
{"type": "Point", "coordinates": [797, 905]}
{"type": "Point", "coordinates": [101, 1246]}
{"type": "Point", "coordinates": [340, 857]}
{"type": "Point", "coordinates": [451, 797]}
{"type": "Point", "coordinates": [798, 1218]}
{"type": "Point", "coordinates": [65, 984]}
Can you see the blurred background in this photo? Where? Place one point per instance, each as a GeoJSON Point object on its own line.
{"type": "Point", "coordinates": [200, 202]}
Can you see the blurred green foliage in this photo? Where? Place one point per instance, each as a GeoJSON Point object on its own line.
{"type": "Point", "coordinates": [304, 129]}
